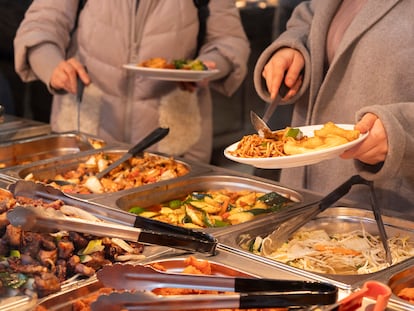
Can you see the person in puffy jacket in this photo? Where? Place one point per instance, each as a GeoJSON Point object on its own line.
{"type": "Point", "coordinates": [119, 104]}
{"type": "Point", "coordinates": [350, 62]}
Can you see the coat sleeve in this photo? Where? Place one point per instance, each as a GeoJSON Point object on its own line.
{"type": "Point", "coordinates": [398, 120]}
{"type": "Point", "coordinates": [295, 36]}
{"type": "Point", "coordinates": [226, 43]}
{"type": "Point", "coordinates": [46, 23]}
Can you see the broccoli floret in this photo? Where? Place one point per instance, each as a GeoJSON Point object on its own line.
{"type": "Point", "coordinates": [189, 64]}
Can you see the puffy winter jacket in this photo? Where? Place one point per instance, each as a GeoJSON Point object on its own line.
{"type": "Point", "coordinates": [119, 104]}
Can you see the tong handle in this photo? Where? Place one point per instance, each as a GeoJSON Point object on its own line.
{"type": "Point", "coordinates": [340, 191]}
{"type": "Point", "coordinates": [179, 241]}
{"type": "Point", "coordinates": [155, 136]}
{"type": "Point", "coordinates": [281, 300]}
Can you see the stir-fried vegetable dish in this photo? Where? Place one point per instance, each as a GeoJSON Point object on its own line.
{"type": "Point", "coordinates": [183, 64]}
{"type": "Point", "coordinates": [214, 208]}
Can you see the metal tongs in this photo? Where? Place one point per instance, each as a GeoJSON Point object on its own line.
{"type": "Point", "coordinates": [39, 219]}
{"type": "Point", "coordinates": [243, 293]}
{"type": "Point", "coordinates": [300, 215]}
{"type": "Point", "coordinates": [201, 242]}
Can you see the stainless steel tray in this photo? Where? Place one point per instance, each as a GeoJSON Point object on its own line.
{"type": "Point", "coordinates": [13, 128]}
{"type": "Point", "coordinates": [335, 219]}
{"type": "Point", "coordinates": [222, 264]}
{"type": "Point", "coordinates": [39, 148]}
{"type": "Point", "coordinates": [48, 169]}
{"type": "Point", "coordinates": [397, 278]}
{"type": "Point", "coordinates": [184, 186]}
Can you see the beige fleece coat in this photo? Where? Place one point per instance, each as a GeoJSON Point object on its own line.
{"type": "Point", "coordinates": [373, 71]}
{"type": "Point", "coordinates": [121, 105]}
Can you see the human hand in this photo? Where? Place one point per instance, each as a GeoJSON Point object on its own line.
{"type": "Point", "coordinates": [286, 63]}
{"type": "Point", "coordinates": [64, 77]}
{"type": "Point", "coordinates": [192, 86]}
{"type": "Point", "coordinates": [374, 148]}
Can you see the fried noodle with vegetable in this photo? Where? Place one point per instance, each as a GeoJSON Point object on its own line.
{"type": "Point", "coordinates": [291, 141]}
{"type": "Point", "coordinates": [254, 146]}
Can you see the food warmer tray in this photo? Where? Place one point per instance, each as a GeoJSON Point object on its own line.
{"type": "Point", "coordinates": [334, 219]}
{"type": "Point", "coordinates": [31, 150]}
{"type": "Point", "coordinates": [49, 168]}
{"type": "Point", "coordinates": [13, 128]}
{"type": "Point", "coordinates": [398, 277]}
{"type": "Point", "coordinates": [224, 263]}
{"type": "Point", "coordinates": [175, 189]}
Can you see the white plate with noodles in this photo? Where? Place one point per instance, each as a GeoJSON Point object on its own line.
{"type": "Point", "coordinates": [171, 74]}
{"type": "Point", "coordinates": [295, 160]}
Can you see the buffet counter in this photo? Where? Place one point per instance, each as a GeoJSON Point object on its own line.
{"type": "Point", "coordinates": [239, 236]}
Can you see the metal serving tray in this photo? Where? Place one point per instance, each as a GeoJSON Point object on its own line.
{"type": "Point", "coordinates": [398, 277]}
{"type": "Point", "coordinates": [335, 219]}
{"type": "Point", "coordinates": [222, 264]}
{"type": "Point", "coordinates": [184, 186]}
{"type": "Point", "coordinates": [48, 169]}
{"type": "Point", "coordinates": [39, 148]}
{"type": "Point", "coordinates": [13, 128]}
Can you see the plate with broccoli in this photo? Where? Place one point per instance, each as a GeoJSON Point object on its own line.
{"type": "Point", "coordinates": [176, 70]}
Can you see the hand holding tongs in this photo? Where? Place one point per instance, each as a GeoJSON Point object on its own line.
{"type": "Point", "coordinates": [300, 215]}
{"type": "Point", "coordinates": [38, 219]}
{"type": "Point", "coordinates": [248, 292]}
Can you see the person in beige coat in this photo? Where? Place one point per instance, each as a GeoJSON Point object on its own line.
{"type": "Point", "coordinates": [118, 104]}
{"type": "Point", "coordinates": [350, 61]}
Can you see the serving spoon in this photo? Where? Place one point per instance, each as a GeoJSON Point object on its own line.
{"type": "Point", "coordinates": [260, 124]}
{"type": "Point", "coordinates": [152, 138]}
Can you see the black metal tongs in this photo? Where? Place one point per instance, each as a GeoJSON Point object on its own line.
{"type": "Point", "coordinates": [116, 222]}
{"type": "Point", "coordinates": [242, 292]}
{"type": "Point", "coordinates": [298, 216]}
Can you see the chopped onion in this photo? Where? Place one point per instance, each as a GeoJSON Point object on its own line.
{"type": "Point", "coordinates": [124, 245]}
{"type": "Point", "coordinates": [129, 257]}
{"type": "Point", "coordinates": [94, 185]}
{"type": "Point", "coordinates": [69, 210]}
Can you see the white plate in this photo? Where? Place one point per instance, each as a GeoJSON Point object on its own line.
{"type": "Point", "coordinates": [298, 159]}
{"type": "Point", "coordinates": [172, 74]}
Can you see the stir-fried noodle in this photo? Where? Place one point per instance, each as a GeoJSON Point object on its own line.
{"type": "Point", "coordinates": [254, 146]}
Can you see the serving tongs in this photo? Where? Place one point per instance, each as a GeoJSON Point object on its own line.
{"type": "Point", "coordinates": [38, 219]}
{"type": "Point", "coordinates": [36, 190]}
{"type": "Point", "coordinates": [242, 293]}
{"type": "Point", "coordinates": [298, 216]}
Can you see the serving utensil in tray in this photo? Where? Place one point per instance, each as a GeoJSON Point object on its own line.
{"type": "Point", "coordinates": [152, 138]}
{"type": "Point", "coordinates": [298, 216]}
{"type": "Point", "coordinates": [248, 292]}
{"type": "Point", "coordinates": [38, 190]}
{"type": "Point", "coordinates": [50, 220]}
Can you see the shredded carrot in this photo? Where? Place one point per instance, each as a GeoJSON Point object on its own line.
{"type": "Point", "coordinates": [336, 250]}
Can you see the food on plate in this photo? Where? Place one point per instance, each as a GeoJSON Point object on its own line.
{"type": "Point", "coordinates": [355, 252]}
{"type": "Point", "coordinates": [214, 208]}
{"type": "Point", "coordinates": [184, 64]}
{"type": "Point", "coordinates": [291, 141]}
{"type": "Point", "coordinates": [407, 293]}
{"type": "Point", "coordinates": [43, 262]}
{"type": "Point", "coordinates": [136, 172]}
